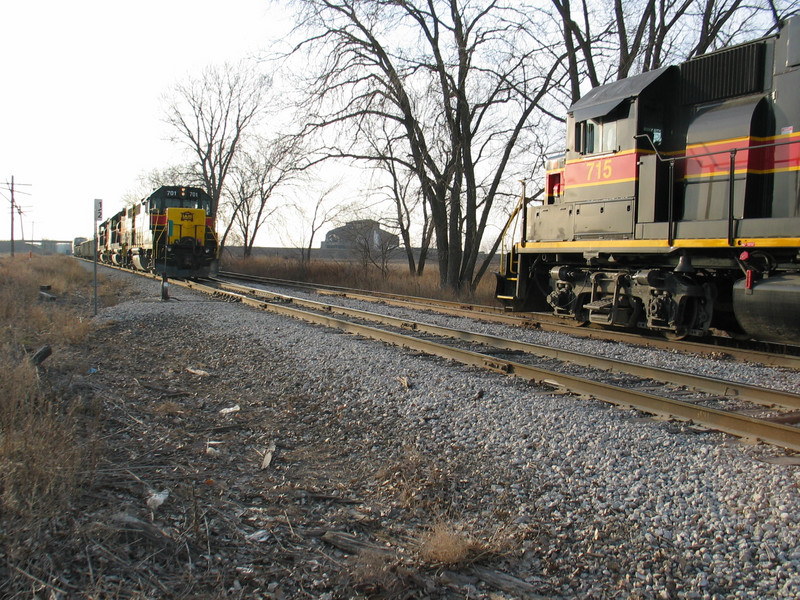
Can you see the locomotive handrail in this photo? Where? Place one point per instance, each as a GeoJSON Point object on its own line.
{"type": "Point", "coordinates": [674, 158]}
{"type": "Point", "coordinates": [731, 179]}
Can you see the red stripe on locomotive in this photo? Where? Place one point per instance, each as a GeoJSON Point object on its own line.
{"type": "Point", "coordinates": [605, 169]}
{"type": "Point", "coordinates": [713, 159]}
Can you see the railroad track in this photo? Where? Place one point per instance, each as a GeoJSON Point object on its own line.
{"type": "Point", "coordinates": [657, 391]}
{"type": "Point", "coordinates": [770, 355]}
{"type": "Point", "coordinates": [775, 429]}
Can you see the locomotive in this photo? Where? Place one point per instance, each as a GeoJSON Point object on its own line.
{"type": "Point", "coordinates": [170, 232]}
{"type": "Point", "coordinates": [676, 205]}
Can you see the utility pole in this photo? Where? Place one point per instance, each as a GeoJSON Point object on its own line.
{"type": "Point", "coordinates": [14, 206]}
{"type": "Point", "coordinates": [12, 216]}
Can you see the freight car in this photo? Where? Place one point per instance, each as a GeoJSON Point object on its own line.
{"type": "Point", "coordinates": [171, 231]}
{"type": "Point", "coordinates": [676, 205]}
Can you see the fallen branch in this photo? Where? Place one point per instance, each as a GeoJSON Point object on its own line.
{"type": "Point", "coordinates": [351, 544]}
{"type": "Point", "coordinates": [41, 355]}
{"type": "Point", "coordinates": [507, 583]}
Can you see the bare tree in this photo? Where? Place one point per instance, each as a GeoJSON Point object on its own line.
{"type": "Point", "coordinates": [403, 191]}
{"type": "Point", "coordinates": [408, 201]}
{"type": "Point", "coordinates": [252, 184]}
{"type": "Point", "coordinates": [149, 181]}
{"type": "Point", "coordinates": [460, 84]}
{"type": "Point", "coordinates": [321, 214]}
{"type": "Point", "coordinates": [210, 115]}
{"type": "Point", "coordinates": [582, 35]}
{"type": "Point", "coordinates": [617, 38]}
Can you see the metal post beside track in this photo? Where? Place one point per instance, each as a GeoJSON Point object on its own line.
{"type": "Point", "coordinates": [164, 286]}
{"type": "Point", "coordinates": [98, 216]}
{"type": "Point", "coordinates": [164, 282]}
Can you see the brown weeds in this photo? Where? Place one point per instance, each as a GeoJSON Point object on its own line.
{"type": "Point", "coordinates": [350, 274]}
{"type": "Point", "coordinates": [40, 458]}
{"type": "Point", "coordinates": [416, 481]}
{"type": "Point", "coordinates": [42, 451]}
{"type": "Point", "coordinates": [376, 575]}
{"type": "Point", "coordinates": [445, 545]}
{"type": "Point", "coordinates": [27, 321]}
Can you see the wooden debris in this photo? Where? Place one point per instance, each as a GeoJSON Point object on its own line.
{"type": "Point", "coordinates": [130, 523]}
{"type": "Point", "coordinates": [457, 580]}
{"type": "Point", "coordinates": [333, 498]}
{"type": "Point", "coordinates": [507, 583]}
{"type": "Point", "coordinates": [791, 418]}
{"type": "Point", "coordinates": [793, 461]}
{"type": "Point", "coordinates": [268, 456]}
{"type": "Point", "coordinates": [41, 355]}
{"type": "Point", "coordinates": [162, 390]}
{"type": "Point", "coordinates": [352, 545]}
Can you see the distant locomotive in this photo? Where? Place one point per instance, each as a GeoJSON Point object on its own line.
{"type": "Point", "coordinates": [676, 206]}
{"type": "Point", "coordinates": [169, 231]}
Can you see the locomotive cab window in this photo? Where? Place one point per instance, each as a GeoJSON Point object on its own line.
{"type": "Point", "coordinates": [654, 134]}
{"type": "Point", "coordinates": [595, 137]}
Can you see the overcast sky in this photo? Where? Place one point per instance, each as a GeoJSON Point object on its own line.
{"type": "Point", "coordinates": [81, 105]}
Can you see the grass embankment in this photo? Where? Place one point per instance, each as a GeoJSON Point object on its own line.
{"type": "Point", "coordinates": [45, 437]}
{"type": "Point", "coordinates": [348, 274]}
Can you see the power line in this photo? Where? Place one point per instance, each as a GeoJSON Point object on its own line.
{"type": "Point", "coordinates": [14, 205]}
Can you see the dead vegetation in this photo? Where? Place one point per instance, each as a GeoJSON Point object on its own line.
{"type": "Point", "coordinates": [445, 545]}
{"type": "Point", "coordinates": [349, 274]}
{"type": "Point", "coordinates": [43, 451]}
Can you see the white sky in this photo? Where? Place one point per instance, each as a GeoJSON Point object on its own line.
{"type": "Point", "coordinates": [81, 87]}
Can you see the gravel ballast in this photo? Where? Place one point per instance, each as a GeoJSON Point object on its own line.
{"type": "Point", "coordinates": [605, 502]}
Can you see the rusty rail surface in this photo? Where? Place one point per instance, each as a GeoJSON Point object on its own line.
{"type": "Point", "coordinates": [541, 321]}
{"type": "Point", "coordinates": [733, 423]}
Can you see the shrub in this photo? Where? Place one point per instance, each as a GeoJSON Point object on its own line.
{"type": "Point", "coordinates": [446, 545]}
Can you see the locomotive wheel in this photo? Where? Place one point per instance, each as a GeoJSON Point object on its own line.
{"type": "Point", "coordinates": [677, 335]}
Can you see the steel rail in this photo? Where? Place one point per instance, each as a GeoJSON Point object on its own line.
{"type": "Point", "coordinates": [712, 385]}
{"type": "Point", "coordinates": [765, 358]}
{"type": "Point", "coordinates": [357, 293]}
{"type": "Point", "coordinates": [735, 424]}
{"type": "Point", "coordinates": [542, 322]}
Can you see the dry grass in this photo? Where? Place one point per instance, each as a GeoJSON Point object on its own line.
{"type": "Point", "coordinates": [376, 575]}
{"type": "Point", "coordinates": [348, 274]}
{"type": "Point", "coordinates": [27, 321]}
{"type": "Point", "coordinates": [445, 545]}
{"type": "Point", "coordinates": [47, 441]}
{"type": "Point", "coordinates": [417, 482]}
{"type": "Point", "coordinates": [42, 450]}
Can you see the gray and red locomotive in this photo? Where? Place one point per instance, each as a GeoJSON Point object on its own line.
{"type": "Point", "coordinates": [171, 231]}
{"type": "Point", "coordinates": [676, 206]}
